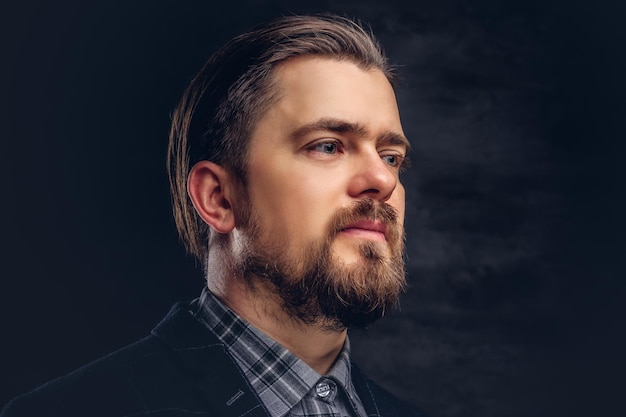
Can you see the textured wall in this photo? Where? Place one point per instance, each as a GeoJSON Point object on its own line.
{"type": "Point", "coordinates": [515, 197]}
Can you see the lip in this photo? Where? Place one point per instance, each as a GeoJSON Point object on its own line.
{"type": "Point", "coordinates": [367, 229]}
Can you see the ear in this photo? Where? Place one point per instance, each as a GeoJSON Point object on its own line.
{"type": "Point", "coordinates": [208, 186]}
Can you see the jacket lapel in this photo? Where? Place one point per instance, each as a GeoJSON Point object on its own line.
{"type": "Point", "coordinates": [364, 391]}
{"type": "Point", "coordinates": [204, 360]}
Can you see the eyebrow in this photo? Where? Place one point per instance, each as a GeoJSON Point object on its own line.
{"type": "Point", "coordinates": [331, 124]}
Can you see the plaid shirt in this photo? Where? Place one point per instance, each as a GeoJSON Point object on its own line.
{"type": "Point", "coordinates": [285, 384]}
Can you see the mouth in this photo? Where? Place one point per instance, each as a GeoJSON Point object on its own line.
{"type": "Point", "coordinates": [366, 229]}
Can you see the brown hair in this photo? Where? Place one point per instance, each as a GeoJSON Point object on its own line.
{"type": "Point", "coordinates": [220, 107]}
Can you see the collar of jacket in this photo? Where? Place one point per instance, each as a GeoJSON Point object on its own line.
{"type": "Point", "coordinates": [219, 380]}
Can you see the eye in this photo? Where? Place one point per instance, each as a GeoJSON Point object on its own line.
{"type": "Point", "coordinates": [392, 160]}
{"type": "Point", "coordinates": [328, 147]}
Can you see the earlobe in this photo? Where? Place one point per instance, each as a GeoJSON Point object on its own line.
{"type": "Point", "coordinates": [207, 186]}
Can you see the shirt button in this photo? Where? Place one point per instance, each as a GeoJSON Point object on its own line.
{"type": "Point", "coordinates": [324, 388]}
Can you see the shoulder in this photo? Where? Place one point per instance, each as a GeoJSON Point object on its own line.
{"type": "Point", "coordinates": [147, 376]}
{"type": "Point", "coordinates": [111, 376]}
{"type": "Point", "coordinates": [378, 400]}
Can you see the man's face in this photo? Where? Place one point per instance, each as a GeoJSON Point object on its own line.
{"type": "Point", "coordinates": [326, 203]}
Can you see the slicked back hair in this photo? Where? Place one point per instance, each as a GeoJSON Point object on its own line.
{"type": "Point", "coordinates": [221, 106]}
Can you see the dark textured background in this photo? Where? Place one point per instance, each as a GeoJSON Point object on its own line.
{"type": "Point", "coordinates": [515, 199]}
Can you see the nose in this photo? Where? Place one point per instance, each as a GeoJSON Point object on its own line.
{"type": "Point", "coordinates": [372, 178]}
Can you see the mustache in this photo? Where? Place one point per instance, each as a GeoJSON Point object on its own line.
{"type": "Point", "coordinates": [366, 209]}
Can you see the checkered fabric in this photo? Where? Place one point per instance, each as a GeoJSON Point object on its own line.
{"type": "Point", "coordinates": [285, 384]}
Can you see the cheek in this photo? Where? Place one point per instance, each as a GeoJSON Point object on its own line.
{"type": "Point", "coordinates": [397, 201]}
{"type": "Point", "coordinates": [294, 203]}
{"type": "Point", "coordinates": [310, 200]}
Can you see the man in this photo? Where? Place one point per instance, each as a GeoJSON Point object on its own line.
{"type": "Point", "coordinates": [284, 163]}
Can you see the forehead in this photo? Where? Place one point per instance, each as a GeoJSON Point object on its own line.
{"type": "Point", "coordinates": [313, 88]}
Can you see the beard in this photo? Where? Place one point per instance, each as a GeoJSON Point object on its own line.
{"type": "Point", "coordinates": [314, 285]}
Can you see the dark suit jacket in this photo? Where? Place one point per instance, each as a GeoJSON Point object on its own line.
{"type": "Point", "coordinates": [180, 369]}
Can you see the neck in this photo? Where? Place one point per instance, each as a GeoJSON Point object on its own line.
{"type": "Point", "coordinates": [313, 343]}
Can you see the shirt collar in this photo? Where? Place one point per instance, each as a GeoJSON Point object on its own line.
{"type": "Point", "coordinates": [279, 377]}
